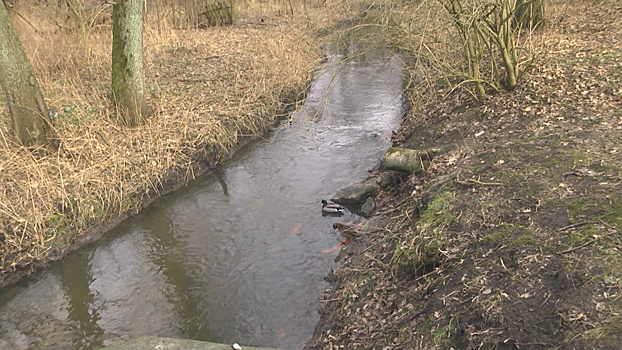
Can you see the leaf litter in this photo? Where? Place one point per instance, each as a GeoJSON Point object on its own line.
{"type": "Point", "coordinates": [530, 247]}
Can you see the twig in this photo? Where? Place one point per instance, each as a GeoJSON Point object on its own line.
{"type": "Point", "coordinates": [606, 224]}
{"type": "Point", "coordinates": [591, 240]}
{"type": "Point", "coordinates": [577, 225]}
{"type": "Point", "coordinates": [329, 300]}
{"type": "Point", "coordinates": [24, 18]}
{"type": "Point", "coordinates": [386, 211]}
{"type": "Point", "coordinates": [263, 24]}
{"type": "Point", "coordinates": [103, 137]}
{"type": "Point", "coordinates": [578, 247]}
{"type": "Point", "coordinates": [545, 300]}
{"type": "Point", "coordinates": [475, 182]}
{"type": "Point", "coordinates": [575, 173]}
{"type": "Point", "coordinates": [442, 180]}
{"type": "Point", "coordinates": [197, 80]}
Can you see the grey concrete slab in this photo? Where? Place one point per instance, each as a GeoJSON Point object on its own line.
{"type": "Point", "coordinates": [157, 343]}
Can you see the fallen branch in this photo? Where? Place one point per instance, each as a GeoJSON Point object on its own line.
{"type": "Point", "coordinates": [329, 300]}
{"type": "Point", "coordinates": [578, 247]}
{"type": "Point", "coordinates": [577, 225]}
{"type": "Point", "coordinates": [468, 182]}
{"type": "Point", "coordinates": [591, 240]}
{"type": "Point", "coordinates": [408, 160]}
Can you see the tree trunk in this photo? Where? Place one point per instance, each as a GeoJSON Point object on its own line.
{"type": "Point", "coordinates": [128, 92]}
{"type": "Point", "coordinates": [30, 119]}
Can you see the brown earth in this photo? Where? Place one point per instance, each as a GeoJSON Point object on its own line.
{"type": "Point", "coordinates": [512, 238]}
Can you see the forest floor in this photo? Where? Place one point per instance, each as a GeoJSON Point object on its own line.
{"type": "Point", "coordinates": [512, 238]}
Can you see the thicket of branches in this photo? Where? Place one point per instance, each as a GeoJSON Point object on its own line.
{"type": "Point", "coordinates": [479, 45]}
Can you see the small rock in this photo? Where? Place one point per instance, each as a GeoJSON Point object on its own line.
{"type": "Point", "coordinates": [368, 207]}
{"type": "Point", "coordinates": [600, 306]}
{"type": "Point", "coordinates": [356, 193]}
{"type": "Point", "coordinates": [236, 346]}
{"type": "Point", "coordinates": [384, 180]}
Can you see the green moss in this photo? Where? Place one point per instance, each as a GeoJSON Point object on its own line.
{"type": "Point", "coordinates": [438, 212]}
{"type": "Point", "coordinates": [608, 168]}
{"type": "Point", "coordinates": [600, 336]}
{"type": "Point", "coordinates": [526, 238]}
{"type": "Point", "coordinates": [498, 237]}
{"type": "Point", "coordinates": [574, 239]}
{"type": "Point", "coordinates": [594, 208]}
{"type": "Point", "coordinates": [403, 257]}
{"type": "Point", "coordinates": [614, 215]}
{"type": "Point", "coordinates": [423, 247]}
{"type": "Point", "coordinates": [567, 157]}
{"type": "Point", "coordinates": [511, 236]}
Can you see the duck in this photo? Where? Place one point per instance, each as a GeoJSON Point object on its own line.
{"type": "Point", "coordinates": [347, 231]}
{"type": "Point", "coordinates": [333, 208]}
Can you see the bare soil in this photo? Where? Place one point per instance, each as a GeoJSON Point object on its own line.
{"type": "Point", "coordinates": [512, 238]}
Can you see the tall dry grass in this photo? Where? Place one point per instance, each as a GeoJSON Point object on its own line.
{"type": "Point", "coordinates": [207, 89]}
{"type": "Point", "coordinates": [474, 45]}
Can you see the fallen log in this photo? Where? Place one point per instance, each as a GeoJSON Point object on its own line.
{"type": "Point", "coordinates": [408, 160]}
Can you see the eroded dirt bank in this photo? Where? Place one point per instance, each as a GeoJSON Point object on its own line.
{"type": "Point", "coordinates": [512, 238]}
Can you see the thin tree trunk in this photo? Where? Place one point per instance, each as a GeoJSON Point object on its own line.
{"type": "Point", "coordinates": [128, 92]}
{"type": "Point", "coordinates": [29, 114]}
{"type": "Point", "coordinates": [158, 15]}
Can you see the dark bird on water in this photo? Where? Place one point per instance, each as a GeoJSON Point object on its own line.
{"type": "Point", "coordinates": [330, 207]}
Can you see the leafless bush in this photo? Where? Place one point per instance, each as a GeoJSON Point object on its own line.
{"type": "Point", "coordinates": [478, 45]}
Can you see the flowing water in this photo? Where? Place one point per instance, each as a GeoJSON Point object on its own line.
{"type": "Point", "coordinates": [238, 256]}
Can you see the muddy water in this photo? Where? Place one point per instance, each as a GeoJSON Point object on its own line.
{"type": "Point", "coordinates": [237, 256]}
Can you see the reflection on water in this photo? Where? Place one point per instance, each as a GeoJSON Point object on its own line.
{"type": "Point", "coordinates": [238, 257]}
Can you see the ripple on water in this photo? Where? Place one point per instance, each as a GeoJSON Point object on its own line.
{"type": "Point", "coordinates": [236, 258]}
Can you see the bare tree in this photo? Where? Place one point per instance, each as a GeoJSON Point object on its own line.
{"type": "Point", "coordinates": [30, 119]}
{"type": "Point", "coordinates": [128, 91]}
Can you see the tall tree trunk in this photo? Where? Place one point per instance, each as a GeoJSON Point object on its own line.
{"type": "Point", "coordinates": [128, 92]}
{"type": "Point", "coordinates": [30, 119]}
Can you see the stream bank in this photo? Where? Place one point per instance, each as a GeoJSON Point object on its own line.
{"type": "Point", "coordinates": [512, 236]}
{"type": "Point", "coordinates": [239, 254]}
{"type": "Point", "coordinates": [210, 91]}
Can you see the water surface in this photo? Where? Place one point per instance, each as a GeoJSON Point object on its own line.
{"type": "Point", "coordinates": [237, 256]}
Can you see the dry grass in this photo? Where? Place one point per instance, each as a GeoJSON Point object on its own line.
{"type": "Point", "coordinates": [208, 89]}
{"type": "Point", "coordinates": [445, 57]}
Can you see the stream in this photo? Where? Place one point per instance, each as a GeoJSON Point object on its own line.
{"type": "Point", "coordinates": [235, 256]}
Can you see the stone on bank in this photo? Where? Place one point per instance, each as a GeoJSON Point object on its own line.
{"type": "Point", "coordinates": [151, 343]}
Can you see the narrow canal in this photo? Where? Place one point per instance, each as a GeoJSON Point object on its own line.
{"type": "Point", "coordinates": [238, 256]}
